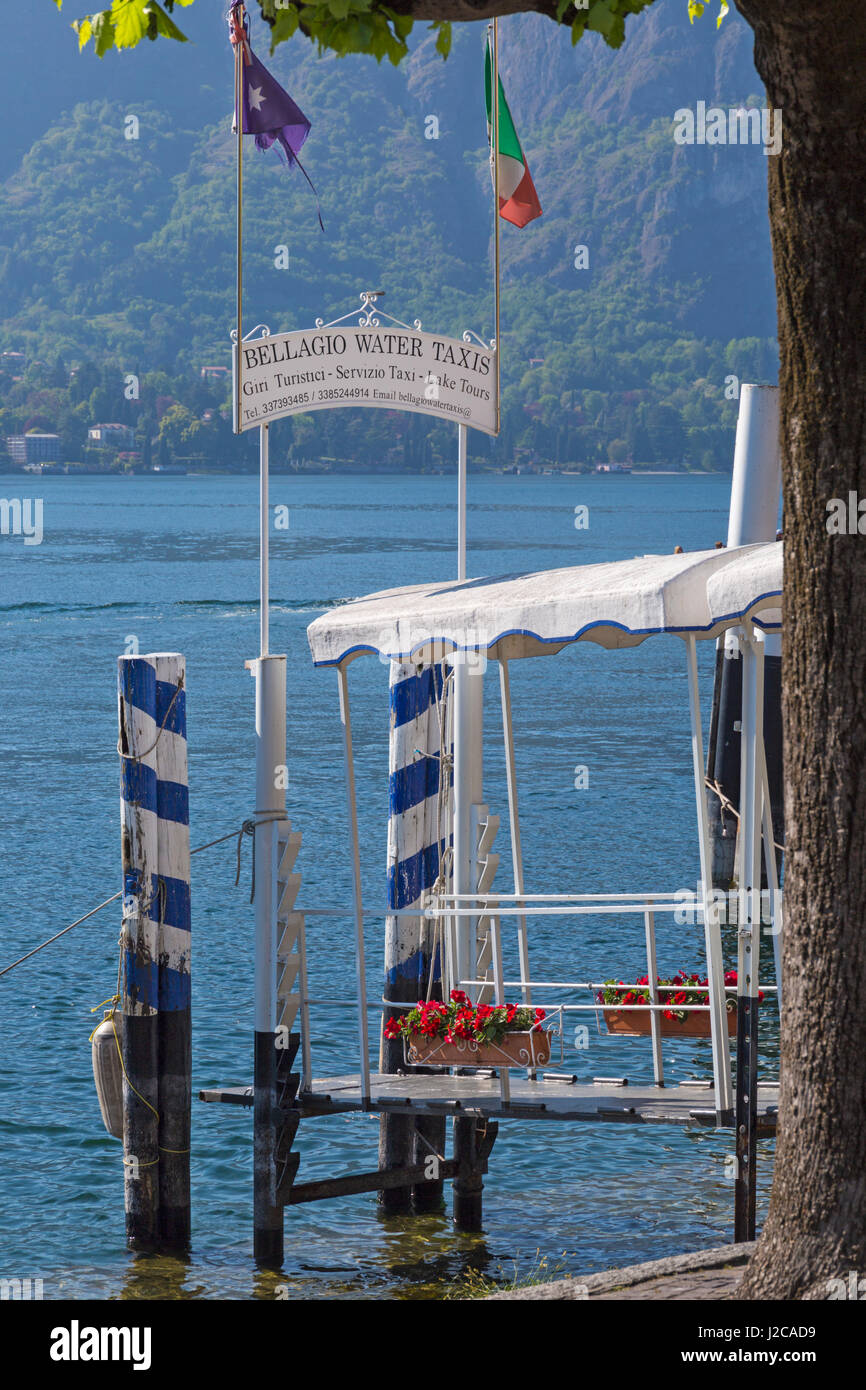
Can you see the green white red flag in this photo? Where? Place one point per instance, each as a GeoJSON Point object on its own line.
{"type": "Point", "coordinates": [518, 200]}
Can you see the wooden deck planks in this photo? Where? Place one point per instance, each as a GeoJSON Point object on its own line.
{"type": "Point", "coordinates": [563, 1099]}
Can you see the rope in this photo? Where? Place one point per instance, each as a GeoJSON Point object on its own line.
{"type": "Point", "coordinates": [249, 828]}
{"type": "Point", "coordinates": [425, 1140]}
{"type": "Point", "coordinates": [729, 806]}
{"type": "Point", "coordinates": [232, 835]}
{"type": "Point", "coordinates": [137, 757]}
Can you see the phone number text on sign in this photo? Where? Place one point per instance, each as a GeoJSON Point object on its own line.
{"type": "Point", "coordinates": [392, 370]}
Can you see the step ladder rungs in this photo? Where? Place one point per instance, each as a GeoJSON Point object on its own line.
{"type": "Point", "coordinates": [289, 929]}
{"type": "Point", "coordinates": [287, 891]}
{"type": "Point", "coordinates": [487, 830]}
{"type": "Point", "coordinates": [288, 852]}
{"type": "Point", "coordinates": [287, 974]}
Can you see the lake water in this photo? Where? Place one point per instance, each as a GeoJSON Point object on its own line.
{"type": "Point", "coordinates": [173, 563]}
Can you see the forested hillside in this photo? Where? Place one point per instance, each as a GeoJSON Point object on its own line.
{"type": "Point", "coordinates": [117, 254]}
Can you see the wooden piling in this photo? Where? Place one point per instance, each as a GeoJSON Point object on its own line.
{"type": "Point", "coordinates": [413, 865]}
{"type": "Point", "coordinates": [139, 950]}
{"type": "Point", "coordinates": [174, 1017]}
{"type": "Point", "coordinates": [473, 1140]}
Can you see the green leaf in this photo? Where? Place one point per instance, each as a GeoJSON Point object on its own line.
{"type": "Point", "coordinates": [443, 38]}
{"type": "Point", "coordinates": [285, 25]}
{"type": "Point", "coordinates": [130, 22]}
{"type": "Point", "coordinates": [84, 30]}
{"type": "Point", "coordinates": [164, 25]}
{"type": "Point", "coordinates": [103, 32]}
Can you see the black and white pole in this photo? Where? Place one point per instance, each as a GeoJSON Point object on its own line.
{"type": "Point", "coordinates": [270, 813]}
{"type": "Point", "coordinates": [749, 935]}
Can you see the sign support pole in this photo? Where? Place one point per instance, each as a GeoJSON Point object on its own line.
{"type": "Point", "coordinates": [270, 815]}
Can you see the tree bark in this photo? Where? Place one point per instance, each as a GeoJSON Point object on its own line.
{"type": "Point", "coordinates": [813, 63]}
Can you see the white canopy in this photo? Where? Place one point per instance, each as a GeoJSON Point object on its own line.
{"type": "Point", "coordinates": [617, 604]}
{"type": "Point", "coordinates": [750, 588]}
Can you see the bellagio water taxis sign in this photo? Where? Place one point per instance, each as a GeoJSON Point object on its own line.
{"type": "Point", "coordinates": [386, 365]}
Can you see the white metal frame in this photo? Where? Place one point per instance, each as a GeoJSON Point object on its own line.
{"type": "Point", "coordinates": [460, 910]}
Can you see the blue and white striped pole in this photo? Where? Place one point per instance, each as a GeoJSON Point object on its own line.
{"type": "Point", "coordinates": [175, 1021]}
{"type": "Point", "coordinates": [414, 850]}
{"type": "Point", "coordinates": [155, 946]}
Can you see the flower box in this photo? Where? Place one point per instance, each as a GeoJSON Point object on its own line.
{"type": "Point", "coordinates": [676, 1019]}
{"type": "Point", "coordinates": [530, 1049]}
{"type": "Point", "coordinates": [636, 1023]}
{"type": "Point", "coordinates": [461, 1033]}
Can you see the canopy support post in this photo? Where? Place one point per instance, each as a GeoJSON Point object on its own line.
{"type": "Point", "coordinates": [514, 822]}
{"type": "Point", "coordinates": [649, 920]}
{"type": "Point", "coordinates": [360, 968]}
{"type": "Point", "coordinates": [468, 791]}
{"type": "Point", "coordinates": [771, 867]}
{"type": "Point", "coordinates": [712, 933]}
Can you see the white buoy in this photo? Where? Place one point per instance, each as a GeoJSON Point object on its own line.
{"type": "Point", "coordinates": [108, 1074]}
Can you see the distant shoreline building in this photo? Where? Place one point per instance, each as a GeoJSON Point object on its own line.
{"type": "Point", "coordinates": [111, 436]}
{"type": "Point", "coordinates": [35, 448]}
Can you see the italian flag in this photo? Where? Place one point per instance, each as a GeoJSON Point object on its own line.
{"type": "Point", "coordinates": [518, 200]}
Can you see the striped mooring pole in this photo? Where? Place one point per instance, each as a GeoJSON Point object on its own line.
{"type": "Point", "coordinates": [155, 950]}
{"type": "Point", "coordinates": [413, 866]}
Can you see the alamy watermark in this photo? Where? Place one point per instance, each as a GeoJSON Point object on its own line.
{"type": "Point", "coordinates": [22, 516]}
{"type": "Point", "coordinates": [740, 125]}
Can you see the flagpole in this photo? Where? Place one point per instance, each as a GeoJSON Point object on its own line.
{"type": "Point", "coordinates": [239, 121]}
{"type": "Point", "coordinates": [496, 206]}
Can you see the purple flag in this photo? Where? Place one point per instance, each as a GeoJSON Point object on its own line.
{"type": "Point", "coordinates": [269, 112]}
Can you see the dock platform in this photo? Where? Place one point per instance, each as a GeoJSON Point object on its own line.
{"type": "Point", "coordinates": [688, 1104]}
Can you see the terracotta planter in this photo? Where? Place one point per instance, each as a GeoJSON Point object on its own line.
{"type": "Point", "coordinates": [635, 1023]}
{"type": "Point", "coordinates": [515, 1050]}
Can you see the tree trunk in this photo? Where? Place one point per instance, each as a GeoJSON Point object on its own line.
{"type": "Point", "coordinates": [813, 63]}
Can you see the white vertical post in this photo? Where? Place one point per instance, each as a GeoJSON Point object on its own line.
{"type": "Point", "coordinates": [270, 677]}
{"type": "Point", "coordinates": [712, 934]}
{"type": "Point", "coordinates": [499, 997]}
{"type": "Point", "coordinates": [461, 501]}
{"type": "Point", "coordinates": [514, 823]}
{"type": "Point", "coordinates": [360, 968]}
{"type": "Point", "coordinates": [649, 921]}
{"type": "Point", "coordinates": [264, 523]}
{"type": "Point", "coordinates": [270, 674]}
{"type": "Point", "coordinates": [756, 480]}
{"type": "Point", "coordinates": [468, 789]}
{"type": "Point", "coordinates": [772, 871]}
{"type": "Point", "coordinates": [757, 476]}
{"type": "Point", "coordinates": [468, 751]}
{"type": "Point", "coordinates": [749, 914]}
